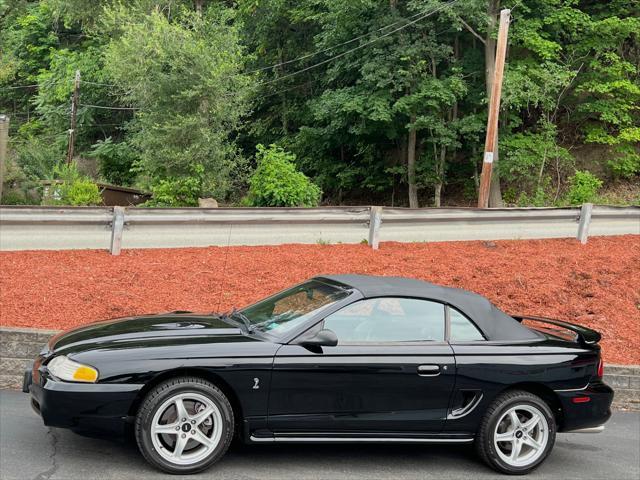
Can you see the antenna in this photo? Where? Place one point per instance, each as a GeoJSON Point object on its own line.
{"type": "Point", "coordinates": [224, 269]}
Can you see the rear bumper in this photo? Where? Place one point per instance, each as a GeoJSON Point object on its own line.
{"type": "Point", "coordinates": [82, 407]}
{"type": "Point", "coordinates": [593, 409]}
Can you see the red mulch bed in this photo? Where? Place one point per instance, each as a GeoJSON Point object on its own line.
{"type": "Point", "coordinates": [596, 285]}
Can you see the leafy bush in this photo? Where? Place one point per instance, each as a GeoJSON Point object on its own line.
{"type": "Point", "coordinates": [175, 192]}
{"type": "Point", "coordinates": [539, 198]}
{"type": "Point", "coordinates": [583, 188]}
{"type": "Point", "coordinates": [277, 183]}
{"type": "Point", "coordinates": [531, 161]}
{"type": "Point", "coordinates": [83, 192]}
{"type": "Point", "coordinates": [178, 191]}
{"type": "Point", "coordinates": [13, 197]}
{"type": "Point", "coordinates": [72, 188]}
{"type": "Point", "coordinates": [116, 161]}
{"type": "Point", "coordinates": [37, 157]}
{"type": "Point", "coordinates": [18, 189]}
{"type": "Point", "coordinates": [627, 164]}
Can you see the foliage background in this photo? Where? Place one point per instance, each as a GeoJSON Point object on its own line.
{"type": "Point", "coordinates": [177, 94]}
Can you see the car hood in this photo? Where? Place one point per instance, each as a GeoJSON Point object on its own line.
{"type": "Point", "coordinates": [160, 328]}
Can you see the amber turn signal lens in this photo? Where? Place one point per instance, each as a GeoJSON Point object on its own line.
{"type": "Point", "coordinates": [85, 374]}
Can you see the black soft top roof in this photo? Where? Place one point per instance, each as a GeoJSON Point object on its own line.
{"type": "Point", "coordinates": [494, 323]}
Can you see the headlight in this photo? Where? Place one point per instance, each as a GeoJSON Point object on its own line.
{"type": "Point", "coordinates": [66, 369]}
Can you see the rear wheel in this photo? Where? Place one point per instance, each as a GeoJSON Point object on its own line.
{"type": "Point", "coordinates": [184, 425]}
{"type": "Point", "coordinates": [517, 433]}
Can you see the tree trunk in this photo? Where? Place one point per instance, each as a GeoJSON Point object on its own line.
{"type": "Point", "coordinates": [411, 165]}
{"type": "Point", "coordinates": [495, 195]}
{"type": "Point", "coordinates": [437, 197]}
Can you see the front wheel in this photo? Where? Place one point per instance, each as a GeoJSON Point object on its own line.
{"type": "Point", "coordinates": [517, 433]}
{"type": "Point", "coordinates": [184, 425]}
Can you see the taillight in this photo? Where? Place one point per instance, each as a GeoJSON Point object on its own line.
{"type": "Point", "coordinates": [600, 368]}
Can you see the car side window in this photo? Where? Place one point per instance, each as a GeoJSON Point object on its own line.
{"type": "Point", "coordinates": [388, 319]}
{"type": "Point", "coordinates": [462, 329]}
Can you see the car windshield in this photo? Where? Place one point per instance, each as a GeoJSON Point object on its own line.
{"type": "Point", "coordinates": [284, 311]}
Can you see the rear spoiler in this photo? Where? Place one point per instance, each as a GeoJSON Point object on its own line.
{"type": "Point", "coordinates": [584, 335]}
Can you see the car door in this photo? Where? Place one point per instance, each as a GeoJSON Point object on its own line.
{"type": "Point", "coordinates": [391, 372]}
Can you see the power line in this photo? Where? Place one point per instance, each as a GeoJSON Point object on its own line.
{"type": "Point", "coordinates": [295, 87]}
{"type": "Point", "coordinates": [15, 87]}
{"type": "Point", "coordinates": [50, 83]}
{"type": "Point", "coordinates": [318, 52]}
{"type": "Point", "coordinates": [311, 82]}
{"type": "Point", "coordinates": [106, 107]}
{"type": "Point", "coordinates": [361, 45]}
{"type": "Point", "coordinates": [100, 84]}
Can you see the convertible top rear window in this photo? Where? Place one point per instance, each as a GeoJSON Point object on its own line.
{"type": "Point", "coordinates": [284, 311]}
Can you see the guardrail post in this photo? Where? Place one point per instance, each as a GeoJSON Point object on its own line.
{"type": "Point", "coordinates": [375, 219]}
{"type": "Point", "coordinates": [117, 226]}
{"type": "Point", "coordinates": [585, 220]}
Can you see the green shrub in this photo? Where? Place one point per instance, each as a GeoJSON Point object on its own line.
{"type": "Point", "coordinates": [627, 163]}
{"type": "Point", "coordinates": [13, 197]}
{"type": "Point", "coordinates": [18, 189]}
{"type": "Point", "coordinates": [115, 161]}
{"type": "Point", "coordinates": [38, 157]}
{"type": "Point", "coordinates": [539, 198]}
{"type": "Point", "coordinates": [531, 161]}
{"type": "Point", "coordinates": [583, 188]}
{"type": "Point", "coordinates": [72, 188]}
{"type": "Point", "coordinates": [83, 192]}
{"type": "Point", "coordinates": [177, 191]}
{"type": "Point", "coordinates": [277, 183]}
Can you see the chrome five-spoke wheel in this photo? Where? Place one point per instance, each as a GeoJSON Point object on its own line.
{"type": "Point", "coordinates": [521, 435]}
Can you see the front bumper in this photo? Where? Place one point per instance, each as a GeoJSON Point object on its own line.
{"type": "Point", "coordinates": [82, 407]}
{"type": "Point", "coordinates": [593, 412]}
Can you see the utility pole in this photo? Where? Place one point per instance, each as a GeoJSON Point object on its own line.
{"type": "Point", "coordinates": [494, 110]}
{"type": "Point", "coordinates": [74, 112]}
{"type": "Point", "coordinates": [4, 139]}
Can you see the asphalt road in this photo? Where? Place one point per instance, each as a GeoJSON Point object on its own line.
{"type": "Point", "coordinates": [28, 450]}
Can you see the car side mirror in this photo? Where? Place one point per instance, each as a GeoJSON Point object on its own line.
{"type": "Point", "coordinates": [324, 338]}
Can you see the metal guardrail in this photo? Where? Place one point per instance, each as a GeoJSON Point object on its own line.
{"type": "Point", "coordinates": [114, 228]}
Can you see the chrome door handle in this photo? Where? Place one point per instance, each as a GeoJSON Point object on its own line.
{"type": "Point", "coordinates": [428, 370]}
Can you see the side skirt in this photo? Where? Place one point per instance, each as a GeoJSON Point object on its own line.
{"type": "Point", "coordinates": [303, 438]}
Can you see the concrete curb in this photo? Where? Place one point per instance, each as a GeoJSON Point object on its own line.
{"type": "Point", "coordinates": [18, 347]}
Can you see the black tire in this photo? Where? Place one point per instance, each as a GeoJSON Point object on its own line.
{"type": "Point", "coordinates": [484, 441]}
{"type": "Point", "coordinates": [161, 394]}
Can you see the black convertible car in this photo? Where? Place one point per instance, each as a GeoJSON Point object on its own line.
{"type": "Point", "coordinates": [339, 358]}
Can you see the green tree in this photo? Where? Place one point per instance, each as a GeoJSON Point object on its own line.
{"type": "Point", "coordinates": [182, 76]}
